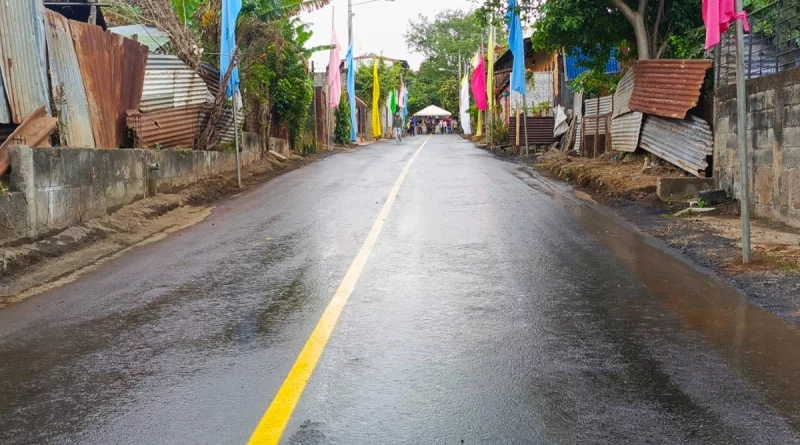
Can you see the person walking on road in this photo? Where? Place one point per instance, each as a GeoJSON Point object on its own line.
{"type": "Point", "coordinates": [397, 124]}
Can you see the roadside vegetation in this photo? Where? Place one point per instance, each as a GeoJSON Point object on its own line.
{"type": "Point", "coordinates": [273, 54]}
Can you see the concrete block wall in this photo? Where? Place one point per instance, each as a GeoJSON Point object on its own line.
{"type": "Point", "coordinates": [773, 126]}
{"type": "Point", "coordinates": [279, 146]}
{"type": "Point", "coordinates": [53, 188]}
{"type": "Point", "coordinates": [74, 185]}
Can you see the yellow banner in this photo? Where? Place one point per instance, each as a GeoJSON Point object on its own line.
{"type": "Point", "coordinates": [490, 72]}
{"type": "Point", "coordinates": [377, 131]}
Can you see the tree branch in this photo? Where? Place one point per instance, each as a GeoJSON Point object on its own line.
{"type": "Point", "coordinates": [636, 19]}
{"type": "Point", "coordinates": [626, 10]}
{"type": "Point", "coordinates": [665, 43]}
{"type": "Point", "coordinates": [208, 137]}
{"type": "Point", "coordinates": [654, 36]}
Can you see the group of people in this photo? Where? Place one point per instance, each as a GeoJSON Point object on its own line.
{"type": "Point", "coordinates": [428, 125]}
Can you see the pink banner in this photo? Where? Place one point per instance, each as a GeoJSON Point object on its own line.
{"type": "Point", "coordinates": [479, 84]}
{"type": "Point", "coordinates": [334, 77]}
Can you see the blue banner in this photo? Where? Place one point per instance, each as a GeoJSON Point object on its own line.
{"type": "Point", "coordinates": [351, 94]}
{"type": "Point", "coordinates": [517, 47]}
{"type": "Point", "coordinates": [230, 12]}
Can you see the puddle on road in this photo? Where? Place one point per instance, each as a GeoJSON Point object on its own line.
{"type": "Point", "coordinates": [758, 345]}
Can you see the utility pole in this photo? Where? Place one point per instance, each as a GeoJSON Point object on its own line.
{"type": "Point", "coordinates": [460, 105]}
{"type": "Point", "coordinates": [349, 23]}
{"type": "Point", "coordinates": [350, 17]}
{"type": "Point", "coordinates": [314, 101]}
{"type": "Point", "coordinates": [741, 120]}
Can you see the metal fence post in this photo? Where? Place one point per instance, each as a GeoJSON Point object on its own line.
{"type": "Point", "coordinates": [741, 115]}
{"type": "Point", "coordinates": [236, 136]}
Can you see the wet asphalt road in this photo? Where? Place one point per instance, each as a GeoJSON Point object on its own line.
{"type": "Point", "coordinates": [495, 308]}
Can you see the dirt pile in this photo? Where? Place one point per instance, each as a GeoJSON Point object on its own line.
{"type": "Point", "coordinates": [610, 176]}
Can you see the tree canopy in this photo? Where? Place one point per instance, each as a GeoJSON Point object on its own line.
{"type": "Point", "coordinates": [441, 40]}
{"type": "Point", "coordinates": [389, 76]}
{"type": "Point", "coordinates": [644, 29]}
{"type": "Point", "coordinates": [272, 53]}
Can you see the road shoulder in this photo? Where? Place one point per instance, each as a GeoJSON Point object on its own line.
{"type": "Point", "coordinates": [34, 266]}
{"type": "Point", "coordinates": [710, 240]}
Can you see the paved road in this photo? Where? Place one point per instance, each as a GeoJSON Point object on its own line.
{"type": "Point", "coordinates": [494, 308]}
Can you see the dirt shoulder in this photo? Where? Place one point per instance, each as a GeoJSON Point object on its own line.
{"type": "Point", "coordinates": [32, 267]}
{"type": "Point", "coordinates": [712, 240]}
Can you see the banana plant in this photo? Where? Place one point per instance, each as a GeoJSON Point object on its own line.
{"type": "Point", "coordinates": [269, 10]}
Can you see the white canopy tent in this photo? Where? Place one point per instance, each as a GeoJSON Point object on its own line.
{"type": "Point", "coordinates": [432, 111]}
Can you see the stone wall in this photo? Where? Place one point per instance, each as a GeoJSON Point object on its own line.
{"type": "Point", "coordinates": [773, 135]}
{"type": "Point", "coordinates": [53, 188]}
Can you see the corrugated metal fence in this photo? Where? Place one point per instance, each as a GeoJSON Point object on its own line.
{"type": "Point", "coordinates": [22, 58]}
{"type": "Point", "coordinates": [540, 130]}
{"type": "Point", "coordinates": [169, 83]}
{"type": "Point", "coordinates": [69, 93]}
{"type": "Point", "coordinates": [686, 143]}
{"type": "Point", "coordinates": [600, 106]}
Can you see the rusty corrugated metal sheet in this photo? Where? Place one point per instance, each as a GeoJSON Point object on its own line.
{"type": "Point", "coordinates": [685, 143]}
{"type": "Point", "coordinates": [171, 128]}
{"type": "Point", "coordinates": [169, 83]}
{"type": "Point", "coordinates": [623, 94]}
{"type": "Point", "coordinates": [625, 130]}
{"type": "Point", "coordinates": [540, 129]}
{"type": "Point", "coordinates": [22, 57]}
{"type": "Point", "coordinates": [210, 75]}
{"type": "Point", "coordinates": [67, 83]}
{"type": "Point", "coordinates": [225, 126]}
{"type": "Point", "coordinates": [112, 67]}
{"type": "Point", "coordinates": [668, 88]}
{"type": "Point", "coordinates": [35, 131]}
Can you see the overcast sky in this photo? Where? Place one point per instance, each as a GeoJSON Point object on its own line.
{"type": "Point", "coordinates": [377, 27]}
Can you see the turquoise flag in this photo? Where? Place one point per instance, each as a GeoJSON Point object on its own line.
{"type": "Point", "coordinates": [230, 12]}
{"type": "Point", "coordinates": [517, 47]}
{"type": "Point", "coordinates": [351, 93]}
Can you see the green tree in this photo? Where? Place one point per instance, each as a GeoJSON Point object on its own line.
{"type": "Point", "coordinates": [270, 10]}
{"type": "Point", "coordinates": [650, 28]}
{"type": "Point", "coordinates": [341, 134]}
{"type": "Point", "coordinates": [273, 60]}
{"type": "Point", "coordinates": [389, 77]}
{"type": "Point", "coordinates": [424, 90]}
{"type": "Point", "coordinates": [442, 40]}
{"type": "Point", "coordinates": [185, 9]}
{"type": "Point", "coordinates": [449, 94]}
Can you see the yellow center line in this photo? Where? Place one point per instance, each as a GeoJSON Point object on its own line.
{"type": "Point", "coordinates": [271, 427]}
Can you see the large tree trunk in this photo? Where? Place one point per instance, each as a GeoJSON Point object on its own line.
{"type": "Point", "coordinates": [636, 19]}
{"type": "Point", "coordinates": [642, 41]}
